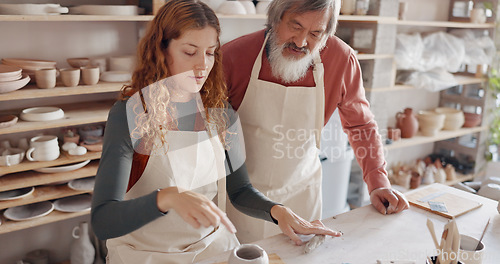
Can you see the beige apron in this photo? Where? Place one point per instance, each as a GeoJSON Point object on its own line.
{"type": "Point", "coordinates": [282, 127]}
{"type": "Point", "coordinates": [169, 239]}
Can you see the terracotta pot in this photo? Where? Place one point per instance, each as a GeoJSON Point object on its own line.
{"type": "Point", "coordinates": [472, 120]}
{"type": "Point", "coordinates": [407, 123]}
{"type": "Point", "coordinates": [393, 133]}
{"type": "Point", "coordinates": [415, 180]}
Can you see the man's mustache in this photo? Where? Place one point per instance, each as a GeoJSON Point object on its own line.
{"type": "Point", "coordinates": [292, 45]}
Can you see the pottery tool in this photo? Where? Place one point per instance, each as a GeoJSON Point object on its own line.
{"type": "Point", "coordinates": [430, 226]}
{"type": "Point", "coordinates": [315, 242]}
{"type": "Point", "coordinates": [482, 235]}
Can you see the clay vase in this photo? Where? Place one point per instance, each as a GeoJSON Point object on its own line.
{"type": "Point", "coordinates": [82, 251]}
{"type": "Point", "coordinates": [247, 254]}
{"type": "Point", "coordinates": [407, 122]}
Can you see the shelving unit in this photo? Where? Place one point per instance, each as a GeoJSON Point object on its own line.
{"type": "Point", "coordinates": [32, 92]}
{"type": "Point", "coordinates": [76, 114]}
{"type": "Point", "coordinates": [441, 135]}
{"type": "Point", "coordinates": [461, 80]}
{"type": "Point", "coordinates": [55, 216]}
{"type": "Point", "coordinates": [25, 177]}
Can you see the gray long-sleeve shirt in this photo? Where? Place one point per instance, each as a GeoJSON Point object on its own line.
{"type": "Point", "coordinates": [112, 216]}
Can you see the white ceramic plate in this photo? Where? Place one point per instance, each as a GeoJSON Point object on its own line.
{"type": "Point", "coordinates": [6, 87]}
{"type": "Point", "coordinates": [28, 211]}
{"type": "Point", "coordinates": [116, 76]}
{"type": "Point", "coordinates": [45, 113]}
{"type": "Point", "coordinates": [73, 204]}
{"type": "Point", "coordinates": [16, 194]}
{"type": "Point", "coordinates": [85, 184]}
{"type": "Point", "coordinates": [63, 168]}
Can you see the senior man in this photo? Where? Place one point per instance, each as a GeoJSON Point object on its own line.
{"type": "Point", "coordinates": [285, 82]}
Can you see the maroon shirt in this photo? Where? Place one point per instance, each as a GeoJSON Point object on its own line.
{"type": "Point", "coordinates": [343, 90]}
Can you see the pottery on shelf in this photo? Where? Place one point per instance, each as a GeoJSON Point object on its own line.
{"type": "Point", "coordinates": [348, 7]}
{"type": "Point", "coordinates": [454, 118]}
{"type": "Point", "coordinates": [430, 122]}
{"type": "Point", "coordinates": [472, 120]}
{"type": "Point", "coordinates": [232, 8]}
{"type": "Point", "coordinates": [407, 123]}
{"type": "Point", "coordinates": [82, 251]}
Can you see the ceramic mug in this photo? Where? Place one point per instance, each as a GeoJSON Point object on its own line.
{"type": "Point", "coordinates": [43, 148]}
{"type": "Point", "coordinates": [90, 75]}
{"type": "Point", "coordinates": [70, 76]}
{"type": "Point", "coordinates": [248, 254]}
{"type": "Point", "coordinates": [46, 78]}
{"type": "Point", "coordinates": [468, 253]}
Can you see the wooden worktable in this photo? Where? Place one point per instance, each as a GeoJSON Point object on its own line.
{"type": "Point", "coordinates": [370, 236]}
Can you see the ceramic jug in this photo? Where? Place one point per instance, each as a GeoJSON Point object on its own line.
{"type": "Point", "coordinates": [407, 122]}
{"type": "Point", "coordinates": [82, 251]}
{"type": "Point", "coordinates": [248, 254]}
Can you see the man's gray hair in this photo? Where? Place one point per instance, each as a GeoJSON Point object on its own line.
{"type": "Point", "coordinates": [278, 7]}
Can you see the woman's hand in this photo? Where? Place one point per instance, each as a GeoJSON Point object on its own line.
{"type": "Point", "coordinates": [292, 224]}
{"type": "Point", "coordinates": [194, 208]}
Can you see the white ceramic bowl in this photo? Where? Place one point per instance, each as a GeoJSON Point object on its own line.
{"type": "Point", "coordinates": [105, 10]}
{"type": "Point", "coordinates": [231, 8]}
{"type": "Point", "coordinates": [122, 63]}
{"type": "Point", "coordinates": [45, 113]}
{"type": "Point", "coordinates": [28, 211]}
{"type": "Point", "coordinates": [116, 76]}
{"type": "Point", "coordinates": [430, 122]}
{"type": "Point", "coordinates": [6, 87]}
{"type": "Point", "coordinates": [32, 9]}
{"type": "Point", "coordinates": [454, 118]}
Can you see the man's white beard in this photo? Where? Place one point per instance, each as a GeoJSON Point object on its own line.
{"type": "Point", "coordinates": [288, 69]}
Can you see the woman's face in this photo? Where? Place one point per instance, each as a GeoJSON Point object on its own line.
{"type": "Point", "coordinates": [190, 58]}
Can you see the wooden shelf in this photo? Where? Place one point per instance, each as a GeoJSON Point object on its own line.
{"type": "Point", "coordinates": [31, 91]}
{"type": "Point", "coordinates": [255, 16]}
{"type": "Point", "coordinates": [444, 24]}
{"type": "Point", "coordinates": [368, 19]}
{"type": "Point", "coordinates": [74, 114]}
{"type": "Point", "coordinates": [73, 18]}
{"type": "Point", "coordinates": [365, 56]}
{"type": "Point", "coordinates": [32, 178]}
{"type": "Point", "coordinates": [42, 193]}
{"type": "Point", "coordinates": [442, 135]}
{"type": "Point", "coordinates": [63, 159]}
{"type": "Point", "coordinates": [461, 80]}
{"type": "Point", "coordinates": [55, 216]}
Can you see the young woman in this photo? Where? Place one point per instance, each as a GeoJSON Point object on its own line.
{"type": "Point", "coordinates": [168, 143]}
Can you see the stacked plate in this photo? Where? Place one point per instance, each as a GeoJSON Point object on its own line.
{"type": "Point", "coordinates": [29, 66]}
{"type": "Point", "coordinates": [11, 78]}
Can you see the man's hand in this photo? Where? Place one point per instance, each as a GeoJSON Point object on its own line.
{"type": "Point", "coordinates": [388, 201]}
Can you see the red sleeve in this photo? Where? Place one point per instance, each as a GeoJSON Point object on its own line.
{"type": "Point", "coordinates": [359, 124]}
